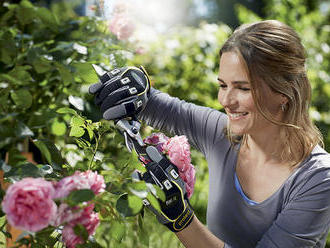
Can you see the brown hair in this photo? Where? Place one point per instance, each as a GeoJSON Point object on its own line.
{"type": "Point", "coordinates": [273, 55]}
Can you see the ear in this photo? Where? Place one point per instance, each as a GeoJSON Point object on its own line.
{"type": "Point", "coordinates": [284, 99]}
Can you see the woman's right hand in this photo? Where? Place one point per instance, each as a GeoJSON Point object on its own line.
{"type": "Point", "coordinates": [122, 92]}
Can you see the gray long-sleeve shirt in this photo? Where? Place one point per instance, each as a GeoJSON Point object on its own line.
{"type": "Point", "coordinates": [296, 215]}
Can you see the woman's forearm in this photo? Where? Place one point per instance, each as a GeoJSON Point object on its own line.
{"type": "Point", "coordinates": [196, 235]}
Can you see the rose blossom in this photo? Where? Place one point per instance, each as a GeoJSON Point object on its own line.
{"type": "Point", "coordinates": [95, 181]}
{"type": "Point", "coordinates": [79, 180]}
{"type": "Point", "coordinates": [89, 219]}
{"type": "Point", "coordinates": [65, 214]}
{"type": "Point", "coordinates": [157, 139]}
{"type": "Point", "coordinates": [29, 204]}
{"type": "Point", "coordinates": [122, 26]}
{"type": "Point", "coordinates": [189, 177]}
{"type": "Point", "coordinates": [178, 150]}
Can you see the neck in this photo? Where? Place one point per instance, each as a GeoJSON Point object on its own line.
{"type": "Point", "coordinates": [264, 147]}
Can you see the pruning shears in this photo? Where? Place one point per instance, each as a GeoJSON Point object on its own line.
{"type": "Point", "coordinates": [130, 129]}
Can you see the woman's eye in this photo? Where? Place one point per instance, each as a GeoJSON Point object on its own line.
{"type": "Point", "coordinates": [222, 86]}
{"type": "Point", "coordinates": [244, 89]}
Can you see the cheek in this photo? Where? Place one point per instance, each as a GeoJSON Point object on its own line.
{"type": "Point", "coordinates": [219, 97]}
{"type": "Point", "coordinates": [248, 102]}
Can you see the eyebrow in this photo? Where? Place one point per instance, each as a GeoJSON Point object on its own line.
{"type": "Point", "coordinates": [234, 82]}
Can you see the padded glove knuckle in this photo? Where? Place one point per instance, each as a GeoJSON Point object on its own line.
{"type": "Point", "coordinates": [122, 92]}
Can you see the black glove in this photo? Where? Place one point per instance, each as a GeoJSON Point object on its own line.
{"type": "Point", "coordinates": [122, 92]}
{"type": "Point", "coordinates": [176, 212]}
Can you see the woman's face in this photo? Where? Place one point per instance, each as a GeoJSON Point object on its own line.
{"type": "Point", "coordinates": [236, 97]}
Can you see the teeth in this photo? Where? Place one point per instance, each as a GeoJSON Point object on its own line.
{"type": "Point", "coordinates": [236, 115]}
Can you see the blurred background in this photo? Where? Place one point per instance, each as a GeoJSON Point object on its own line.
{"type": "Point", "coordinates": [46, 56]}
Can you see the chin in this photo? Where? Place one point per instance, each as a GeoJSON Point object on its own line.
{"type": "Point", "coordinates": [237, 131]}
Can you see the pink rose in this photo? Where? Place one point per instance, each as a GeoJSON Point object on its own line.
{"type": "Point", "coordinates": [65, 214]}
{"type": "Point", "coordinates": [178, 150]}
{"type": "Point", "coordinates": [80, 180]}
{"type": "Point", "coordinates": [95, 181]}
{"type": "Point", "coordinates": [66, 185]}
{"type": "Point", "coordinates": [189, 177]}
{"type": "Point", "coordinates": [89, 219]}
{"type": "Point", "coordinates": [29, 204]}
{"type": "Point", "coordinates": [122, 26]}
{"type": "Point", "coordinates": [157, 139]}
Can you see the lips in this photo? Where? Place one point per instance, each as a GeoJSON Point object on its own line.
{"type": "Point", "coordinates": [237, 115]}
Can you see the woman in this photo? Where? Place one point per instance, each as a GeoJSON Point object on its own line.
{"type": "Point", "coordinates": [269, 177]}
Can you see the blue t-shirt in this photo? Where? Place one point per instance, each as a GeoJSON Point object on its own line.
{"type": "Point", "coordinates": [296, 215]}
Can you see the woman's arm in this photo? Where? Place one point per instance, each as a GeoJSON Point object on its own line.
{"type": "Point", "coordinates": [196, 235]}
{"type": "Point", "coordinates": [203, 126]}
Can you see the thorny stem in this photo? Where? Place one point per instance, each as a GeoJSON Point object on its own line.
{"type": "Point", "coordinates": [95, 150]}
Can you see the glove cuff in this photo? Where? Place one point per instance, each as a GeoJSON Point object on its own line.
{"type": "Point", "coordinates": [182, 221]}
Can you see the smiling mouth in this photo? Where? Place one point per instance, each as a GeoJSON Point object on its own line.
{"type": "Point", "coordinates": [236, 116]}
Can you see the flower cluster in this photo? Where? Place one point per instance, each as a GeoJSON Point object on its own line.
{"type": "Point", "coordinates": [121, 24]}
{"type": "Point", "coordinates": [177, 149]}
{"type": "Point", "coordinates": [37, 196]}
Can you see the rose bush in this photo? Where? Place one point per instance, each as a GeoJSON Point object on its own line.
{"type": "Point", "coordinates": [30, 205]}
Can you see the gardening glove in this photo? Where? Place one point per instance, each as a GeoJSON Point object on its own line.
{"type": "Point", "coordinates": [176, 212]}
{"type": "Point", "coordinates": [122, 92]}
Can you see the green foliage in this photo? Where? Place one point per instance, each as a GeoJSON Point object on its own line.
{"type": "Point", "coordinates": [46, 58]}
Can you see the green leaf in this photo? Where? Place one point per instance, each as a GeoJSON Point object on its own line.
{"type": "Point", "coordinates": [25, 15]}
{"type": "Point", "coordinates": [15, 158]}
{"type": "Point", "coordinates": [42, 65]}
{"type": "Point", "coordinates": [142, 232]}
{"type": "Point", "coordinates": [22, 98]}
{"type": "Point", "coordinates": [24, 170]}
{"type": "Point", "coordinates": [43, 149]}
{"type": "Point", "coordinates": [65, 73]}
{"type": "Point", "coordinates": [47, 18]}
{"type": "Point", "coordinates": [80, 196]}
{"type": "Point", "coordinates": [66, 110]}
{"type": "Point", "coordinates": [154, 202]}
{"type": "Point", "coordinates": [117, 230]}
{"type": "Point", "coordinates": [23, 130]}
{"type": "Point", "coordinates": [86, 72]}
{"type": "Point", "coordinates": [51, 153]}
{"type": "Point", "coordinates": [129, 205]}
{"type": "Point", "coordinates": [7, 48]}
{"type": "Point", "coordinates": [159, 193]}
{"type": "Point", "coordinates": [21, 72]}
{"type": "Point", "coordinates": [90, 132]}
{"type": "Point", "coordinates": [139, 189]}
{"type": "Point", "coordinates": [81, 231]}
{"type": "Point", "coordinates": [58, 128]}
{"type": "Point", "coordinates": [77, 121]}
{"type": "Point", "coordinates": [26, 4]}
{"type": "Point", "coordinates": [77, 131]}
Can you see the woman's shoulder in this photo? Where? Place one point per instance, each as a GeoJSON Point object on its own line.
{"type": "Point", "coordinates": [318, 159]}
{"type": "Point", "coordinates": [314, 172]}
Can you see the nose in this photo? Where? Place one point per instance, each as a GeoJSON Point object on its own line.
{"type": "Point", "coordinates": [227, 98]}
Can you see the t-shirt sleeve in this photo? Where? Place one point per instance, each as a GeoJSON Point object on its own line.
{"type": "Point", "coordinates": [203, 126]}
{"type": "Point", "coordinates": [304, 221]}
